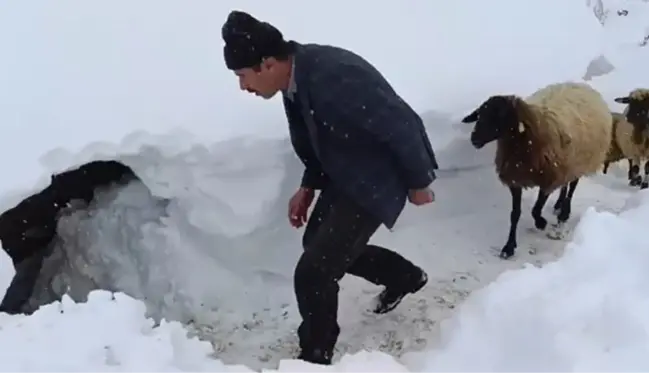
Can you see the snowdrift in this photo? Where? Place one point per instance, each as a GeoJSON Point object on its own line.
{"type": "Point", "coordinates": [223, 264]}
{"type": "Point", "coordinates": [221, 236]}
{"type": "Point", "coordinates": [225, 231]}
{"type": "Point", "coordinates": [79, 73]}
{"type": "Point", "coordinates": [585, 312]}
{"type": "Point", "coordinates": [623, 36]}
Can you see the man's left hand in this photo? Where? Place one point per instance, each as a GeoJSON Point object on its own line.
{"type": "Point", "coordinates": [421, 197]}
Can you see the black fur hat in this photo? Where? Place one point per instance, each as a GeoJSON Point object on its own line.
{"type": "Point", "coordinates": [248, 41]}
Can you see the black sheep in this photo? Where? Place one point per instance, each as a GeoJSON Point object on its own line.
{"type": "Point", "coordinates": [28, 229]}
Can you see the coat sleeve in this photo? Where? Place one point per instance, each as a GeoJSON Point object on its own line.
{"type": "Point", "coordinates": [313, 176]}
{"type": "Point", "coordinates": [349, 95]}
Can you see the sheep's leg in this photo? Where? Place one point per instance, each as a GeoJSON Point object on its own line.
{"type": "Point", "coordinates": [559, 202]}
{"type": "Point", "coordinates": [634, 173]}
{"type": "Point", "coordinates": [514, 216]}
{"type": "Point", "coordinates": [645, 179]}
{"type": "Point", "coordinates": [564, 213]}
{"type": "Point", "coordinates": [605, 170]}
{"type": "Point", "coordinates": [23, 283]}
{"type": "Point", "coordinates": [629, 173]}
{"type": "Point", "coordinates": [566, 206]}
{"type": "Point", "coordinates": [537, 210]}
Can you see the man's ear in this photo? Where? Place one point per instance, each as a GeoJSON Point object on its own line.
{"type": "Point", "coordinates": [268, 63]}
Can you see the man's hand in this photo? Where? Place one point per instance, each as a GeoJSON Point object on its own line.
{"type": "Point", "coordinates": [298, 206]}
{"type": "Point", "coordinates": [421, 196]}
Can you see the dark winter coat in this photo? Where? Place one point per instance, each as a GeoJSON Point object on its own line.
{"type": "Point", "coordinates": [354, 133]}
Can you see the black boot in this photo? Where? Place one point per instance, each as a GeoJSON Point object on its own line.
{"type": "Point", "coordinates": [315, 356]}
{"type": "Point", "coordinates": [389, 299]}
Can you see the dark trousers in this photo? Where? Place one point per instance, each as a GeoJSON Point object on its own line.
{"type": "Point", "coordinates": [336, 242]}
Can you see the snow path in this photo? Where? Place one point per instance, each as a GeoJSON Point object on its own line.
{"type": "Point", "coordinates": [456, 241]}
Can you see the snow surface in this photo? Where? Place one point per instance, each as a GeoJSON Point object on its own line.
{"type": "Point", "coordinates": [124, 79]}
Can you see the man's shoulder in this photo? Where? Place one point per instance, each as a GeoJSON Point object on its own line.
{"type": "Point", "coordinates": [311, 49]}
{"type": "Point", "coordinates": [326, 56]}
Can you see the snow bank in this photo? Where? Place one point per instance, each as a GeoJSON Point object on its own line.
{"type": "Point", "coordinates": [585, 312]}
{"type": "Point", "coordinates": [621, 82]}
{"type": "Point", "coordinates": [474, 59]}
{"type": "Point", "coordinates": [630, 60]}
{"type": "Point", "coordinates": [226, 223]}
{"type": "Point", "coordinates": [109, 333]}
{"type": "Point", "coordinates": [222, 246]}
{"type": "Point", "coordinates": [79, 72]}
{"type": "Point", "coordinates": [625, 25]}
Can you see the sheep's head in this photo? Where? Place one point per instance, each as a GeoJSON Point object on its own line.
{"type": "Point", "coordinates": [492, 119]}
{"type": "Point", "coordinates": [637, 111]}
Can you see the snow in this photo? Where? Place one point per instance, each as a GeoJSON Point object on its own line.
{"type": "Point", "coordinates": [146, 84]}
{"type": "Point", "coordinates": [622, 38]}
{"type": "Point", "coordinates": [584, 312]}
{"type": "Point", "coordinates": [101, 72]}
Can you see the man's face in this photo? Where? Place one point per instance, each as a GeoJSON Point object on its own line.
{"type": "Point", "coordinates": [260, 81]}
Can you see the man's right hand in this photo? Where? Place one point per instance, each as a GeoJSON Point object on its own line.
{"type": "Point", "coordinates": [298, 206]}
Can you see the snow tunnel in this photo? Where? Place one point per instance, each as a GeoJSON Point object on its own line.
{"type": "Point", "coordinates": [49, 234]}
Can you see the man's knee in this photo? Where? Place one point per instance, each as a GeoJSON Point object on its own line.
{"type": "Point", "coordinates": [315, 271]}
{"type": "Point", "coordinates": [307, 271]}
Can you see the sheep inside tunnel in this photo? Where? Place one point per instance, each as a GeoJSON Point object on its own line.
{"type": "Point", "coordinates": [50, 235]}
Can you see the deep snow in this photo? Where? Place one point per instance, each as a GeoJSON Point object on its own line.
{"type": "Point", "coordinates": [586, 312]}
{"type": "Point", "coordinates": [224, 256]}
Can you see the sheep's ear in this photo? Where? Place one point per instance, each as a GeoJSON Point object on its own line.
{"type": "Point", "coordinates": [473, 117]}
{"type": "Point", "coordinates": [622, 100]}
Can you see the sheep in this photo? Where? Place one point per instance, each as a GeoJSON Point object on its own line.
{"type": "Point", "coordinates": [28, 229]}
{"type": "Point", "coordinates": [548, 140]}
{"type": "Point", "coordinates": [637, 110]}
{"type": "Point", "coordinates": [637, 114]}
{"type": "Point", "coordinates": [630, 142]}
{"type": "Point", "coordinates": [614, 152]}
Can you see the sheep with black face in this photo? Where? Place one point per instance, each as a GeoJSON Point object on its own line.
{"type": "Point", "coordinates": [632, 134]}
{"type": "Point", "coordinates": [548, 140]}
{"type": "Point", "coordinates": [637, 111]}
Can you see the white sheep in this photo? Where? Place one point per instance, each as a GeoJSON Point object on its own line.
{"type": "Point", "coordinates": [548, 140]}
{"type": "Point", "coordinates": [632, 135]}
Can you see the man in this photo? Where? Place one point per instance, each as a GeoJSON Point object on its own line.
{"type": "Point", "coordinates": [362, 146]}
